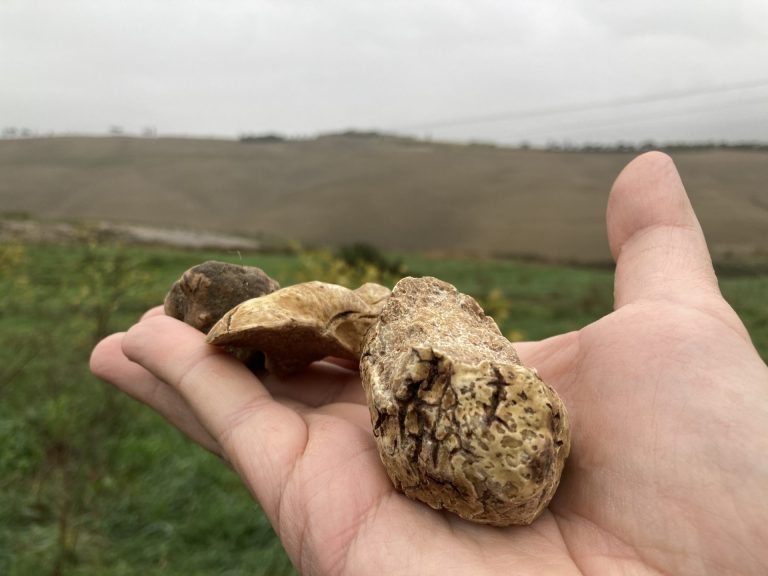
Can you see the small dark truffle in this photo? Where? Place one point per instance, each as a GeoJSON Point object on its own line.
{"type": "Point", "coordinates": [206, 292]}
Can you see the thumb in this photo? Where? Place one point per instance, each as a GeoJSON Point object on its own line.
{"type": "Point", "coordinates": [655, 237]}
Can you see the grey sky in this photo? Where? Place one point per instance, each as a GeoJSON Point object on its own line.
{"type": "Point", "coordinates": [299, 67]}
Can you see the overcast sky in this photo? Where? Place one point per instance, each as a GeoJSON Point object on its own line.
{"type": "Point", "coordinates": [504, 71]}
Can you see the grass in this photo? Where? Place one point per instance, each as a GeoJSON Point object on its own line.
{"type": "Point", "coordinates": [91, 482]}
{"type": "Point", "coordinates": [94, 483]}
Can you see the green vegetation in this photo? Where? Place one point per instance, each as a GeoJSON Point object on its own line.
{"type": "Point", "coordinates": [94, 483]}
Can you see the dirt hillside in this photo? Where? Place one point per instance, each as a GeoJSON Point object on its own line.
{"type": "Point", "coordinates": [396, 194]}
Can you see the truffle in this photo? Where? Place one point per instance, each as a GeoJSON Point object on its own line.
{"type": "Point", "coordinates": [460, 424]}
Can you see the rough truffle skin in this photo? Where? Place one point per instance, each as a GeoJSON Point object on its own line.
{"type": "Point", "coordinates": [460, 424]}
{"type": "Point", "coordinates": [206, 292]}
{"type": "Point", "coordinates": [301, 324]}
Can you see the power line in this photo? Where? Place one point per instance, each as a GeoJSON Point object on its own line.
{"type": "Point", "coordinates": [643, 118]}
{"type": "Point", "coordinates": [584, 106]}
{"type": "Point", "coordinates": [567, 131]}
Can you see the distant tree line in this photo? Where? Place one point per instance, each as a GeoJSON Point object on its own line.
{"type": "Point", "coordinates": [272, 137]}
{"type": "Point", "coordinates": [650, 145]}
{"type": "Point", "coordinates": [268, 138]}
{"type": "Point", "coordinates": [12, 132]}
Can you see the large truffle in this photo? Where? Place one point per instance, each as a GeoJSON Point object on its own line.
{"type": "Point", "coordinates": [460, 424]}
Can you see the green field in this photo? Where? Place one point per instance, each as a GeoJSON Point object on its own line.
{"type": "Point", "coordinates": [94, 483]}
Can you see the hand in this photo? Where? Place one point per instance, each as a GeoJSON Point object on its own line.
{"type": "Point", "coordinates": [668, 402]}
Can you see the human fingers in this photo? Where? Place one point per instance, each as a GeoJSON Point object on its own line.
{"type": "Point", "coordinates": [533, 351]}
{"type": "Point", "coordinates": [332, 380]}
{"type": "Point", "coordinates": [261, 437]}
{"type": "Point", "coordinates": [320, 384]}
{"type": "Point", "coordinates": [554, 359]}
{"type": "Point", "coordinates": [654, 235]}
{"type": "Point", "coordinates": [353, 365]}
{"type": "Point", "coordinates": [156, 311]}
{"type": "Point", "coordinates": [110, 364]}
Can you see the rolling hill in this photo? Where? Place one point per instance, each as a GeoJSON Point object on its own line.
{"type": "Point", "coordinates": [397, 194]}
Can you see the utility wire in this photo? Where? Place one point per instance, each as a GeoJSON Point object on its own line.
{"type": "Point", "coordinates": [580, 107]}
{"type": "Point", "coordinates": [646, 118]}
{"type": "Point", "coordinates": [635, 123]}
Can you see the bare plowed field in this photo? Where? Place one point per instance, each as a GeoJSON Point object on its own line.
{"type": "Point", "coordinates": [393, 193]}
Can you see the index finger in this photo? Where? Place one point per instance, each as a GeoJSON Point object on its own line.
{"type": "Point", "coordinates": [155, 311]}
{"type": "Point", "coordinates": [261, 437]}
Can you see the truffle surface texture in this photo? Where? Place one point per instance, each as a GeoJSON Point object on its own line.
{"type": "Point", "coordinates": [460, 424]}
{"type": "Point", "coordinates": [206, 292]}
{"type": "Point", "coordinates": [300, 324]}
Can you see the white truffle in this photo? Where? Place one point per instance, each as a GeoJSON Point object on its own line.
{"type": "Point", "coordinates": [460, 424]}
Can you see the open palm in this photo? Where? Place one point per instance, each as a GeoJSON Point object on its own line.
{"type": "Point", "coordinates": [669, 413]}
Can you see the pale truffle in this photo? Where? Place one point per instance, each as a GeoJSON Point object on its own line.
{"type": "Point", "coordinates": [300, 324]}
{"type": "Point", "coordinates": [460, 424]}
